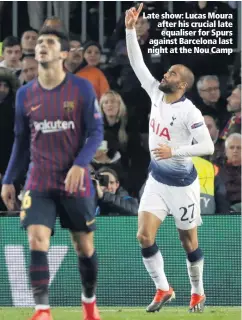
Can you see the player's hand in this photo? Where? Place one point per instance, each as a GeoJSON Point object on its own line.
{"type": "Point", "coordinates": [163, 152]}
{"type": "Point", "coordinates": [8, 195]}
{"type": "Point", "coordinates": [75, 179]}
{"type": "Point", "coordinates": [131, 16]}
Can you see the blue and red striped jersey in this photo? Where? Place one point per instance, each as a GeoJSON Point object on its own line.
{"type": "Point", "coordinates": [60, 127]}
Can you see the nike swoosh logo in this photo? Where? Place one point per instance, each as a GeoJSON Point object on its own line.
{"type": "Point", "coordinates": [88, 223]}
{"type": "Point", "coordinates": [35, 107]}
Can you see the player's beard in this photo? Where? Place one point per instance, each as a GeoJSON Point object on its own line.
{"type": "Point", "coordinates": [166, 88]}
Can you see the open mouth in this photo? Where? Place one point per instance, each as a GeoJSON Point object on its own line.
{"type": "Point", "coordinates": [43, 52]}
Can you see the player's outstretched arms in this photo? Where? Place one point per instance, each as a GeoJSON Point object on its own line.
{"type": "Point", "coordinates": [134, 52]}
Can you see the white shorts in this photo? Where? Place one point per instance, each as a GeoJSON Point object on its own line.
{"type": "Point", "coordinates": [182, 202]}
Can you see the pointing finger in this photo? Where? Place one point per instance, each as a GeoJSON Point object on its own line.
{"type": "Point", "coordinates": [140, 8]}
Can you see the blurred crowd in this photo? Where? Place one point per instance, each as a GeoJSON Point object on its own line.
{"type": "Point", "coordinates": [123, 157]}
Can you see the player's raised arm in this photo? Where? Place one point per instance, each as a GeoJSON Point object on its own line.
{"type": "Point", "coordinates": [134, 52]}
{"type": "Point", "coordinates": [93, 128]}
{"type": "Point", "coordinates": [20, 152]}
{"type": "Point", "coordinates": [203, 144]}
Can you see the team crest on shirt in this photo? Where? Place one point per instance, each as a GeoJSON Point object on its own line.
{"type": "Point", "coordinates": [69, 106]}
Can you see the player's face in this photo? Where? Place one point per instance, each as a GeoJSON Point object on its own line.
{"type": "Point", "coordinates": [211, 125]}
{"type": "Point", "coordinates": [110, 106]}
{"type": "Point", "coordinates": [48, 49]}
{"type": "Point", "coordinates": [92, 56]}
{"type": "Point", "coordinates": [172, 81]}
{"type": "Point", "coordinates": [233, 151]}
{"type": "Point", "coordinates": [234, 101]}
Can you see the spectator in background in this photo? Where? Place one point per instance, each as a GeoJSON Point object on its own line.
{"type": "Point", "coordinates": [109, 156]}
{"type": "Point", "coordinates": [8, 87]}
{"type": "Point", "coordinates": [75, 56]}
{"type": "Point", "coordinates": [213, 197]}
{"type": "Point", "coordinates": [218, 157]}
{"type": "Point", "coordinates": [115, 116]}
{"type": "Point", "coordinates": [12, 54]}
{"type": "Point", "coordinates": [29, 69]}
{"type": "Point", "coordinates": [123, 126]}
{"type": "Point", "coordinates": [142, 29]}
{"type": "Point", "coordinates": [28, 42]}
{"type": "Point", "coordinates": [92, 53]}
{"type": "Point", "coordinates": [230, 172]}
{"type": "Point", "coordinates": [211, 103]}
{"type": "Point", "coordinates": [92, 73]}
{"type": "Point", "coordinates": [234, 107]}
{"type": "Point", "coordinates": [112, 198]}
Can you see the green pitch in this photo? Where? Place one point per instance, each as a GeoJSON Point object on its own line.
{"type": "Point", "coordinates": [169, 313]}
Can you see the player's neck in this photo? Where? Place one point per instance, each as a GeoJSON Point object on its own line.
{"type": "Point", "coordinates": [50, 78]}
{"type": "Point", "coordinates": [170, 98]}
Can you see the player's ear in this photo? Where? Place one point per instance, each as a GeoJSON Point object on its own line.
{"type": "Point", "coordinates": [183, 85]}
{"type": "Point", "coordinates": [63, 55]}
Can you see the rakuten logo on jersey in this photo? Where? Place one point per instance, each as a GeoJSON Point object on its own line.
{"type": "Point", "coordinates": [53, 126]}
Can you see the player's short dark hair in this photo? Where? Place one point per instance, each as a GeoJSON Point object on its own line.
{"type": "Point", "coordinates": [60, 34]}
{"type": "Point", "coordinates": [10, 41]}
{"type": "Point", "coordinates": [108, 170]}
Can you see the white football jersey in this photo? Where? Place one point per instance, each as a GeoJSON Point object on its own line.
{"type": "Point", "coordinates": [177, 125]}
{"type": "Point", "coordinates": [171, 124]}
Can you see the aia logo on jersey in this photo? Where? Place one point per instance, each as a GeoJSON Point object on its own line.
{"type": "Point", "coordinates": [158, 130]}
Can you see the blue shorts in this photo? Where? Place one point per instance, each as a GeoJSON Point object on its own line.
{"type": "Point", "coordinates": [42, 208]}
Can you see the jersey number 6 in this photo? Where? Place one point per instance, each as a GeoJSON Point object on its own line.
{"type": "Point", "coordinates": [27, 201]}
{"type": "Point", "coordinates": [188, 213]}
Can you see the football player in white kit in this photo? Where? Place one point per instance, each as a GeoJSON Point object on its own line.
{"type": "Point", "coordinates": [176, 133]}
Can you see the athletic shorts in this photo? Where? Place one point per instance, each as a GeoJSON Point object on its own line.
{"type": "Point", "coordinates": [181, 202]}
{"type": "Point", "coordinates": [42, 208]}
